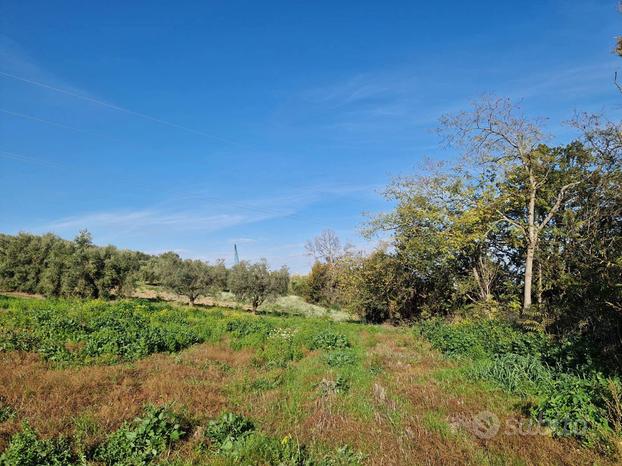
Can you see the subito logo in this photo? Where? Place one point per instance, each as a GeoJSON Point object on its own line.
{"type": "Point", "coordinates": [485, 425]}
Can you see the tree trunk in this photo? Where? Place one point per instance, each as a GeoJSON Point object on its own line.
{"type": "Point", "coordinates": [540, 286]}
{"type": "Point", "coordinates": [528, 277]}
{"type": "Point", "coordinates": [191, 299]}
{"type": "Point", "coordinates": [531, 245]}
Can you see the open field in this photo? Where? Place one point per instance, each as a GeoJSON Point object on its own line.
{"type": "Point", "coordinates": [74, 374]}
{"type": "Point", "coordinates": [286, 305]}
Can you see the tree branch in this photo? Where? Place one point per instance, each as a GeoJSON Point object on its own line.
{"type": "Point", "coordinates": [557, 205]}
{"type": "Point", "coordinates": [512, 222]}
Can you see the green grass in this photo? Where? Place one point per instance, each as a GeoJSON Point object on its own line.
{"type": "Point", "coordinates": [296, 306]}
{"type": "Point", "coordinates": [290, 305]}
{"type": "Point", "coordinates": [294, 390]}
{"type": "Point", "coordinates": [82, 333]}
{"type": "Point", "coordinates": [570, 403]}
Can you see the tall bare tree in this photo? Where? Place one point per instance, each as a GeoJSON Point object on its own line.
{"type": "Point", "coordinates": [326, 247]}
{"type": "Point", "coordinates": [508, 147]}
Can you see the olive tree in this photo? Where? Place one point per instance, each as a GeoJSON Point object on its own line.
{"type": "Point", "coordinates": [255, 283]}
{"type": "Point", "coordinates": [189, 278]}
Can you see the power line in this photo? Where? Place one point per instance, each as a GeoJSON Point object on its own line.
{"type": "Point", "coordinates": [25, 158]}
{"type": "Point", "coordinates": [116, 107]}
{"type": "Point", "coordinates": [271, 213]}
{"type": "Point", "coordinates": [53, 123]}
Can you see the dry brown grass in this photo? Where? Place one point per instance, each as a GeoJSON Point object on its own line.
{"type": "Point", "coordinates": [50, 399]}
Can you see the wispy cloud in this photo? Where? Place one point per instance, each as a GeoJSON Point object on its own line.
{"type": "Point", "coordinates": [357, 89]}
{"type": "Point", "coordinates": [197, 212]}
{"type": "Point", "coordinates": [147, 219]}
{"type": "Point", "coordinates": [389, 105]}
{"type": "Point", "coordinates": [368, 95]}
{"type": "Point", "coordinates": [577, 81]}
{"type": "Point", "coordinates": [26, 158]}
{"type": "Point", "coordinates": [114, 225]}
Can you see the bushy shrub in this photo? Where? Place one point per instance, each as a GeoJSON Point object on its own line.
{"type": "Point", "coordinates": [142, 440]}
{"type": "Point", "coordinates": [18, 340]}
{"type": "Point", "coordinates": [27, 449]}
{"type": "Point", "coordinates": [244, 327]}
{"type": "Point", "coordinates": [102, 331]}
{"type": "Point", "coordinates": [450, 340]}
{"type": "Point", "coordinates": [573, 353]}
{"type": "Point", "coordinates": [481, 338]}
{"type": "Point", "coordinates": [55, 323]}
{"type": "Point", "coordinates": [574, 406]}
{"type": "Point", "coordinates": [134, 342]}
{"type": "Point", "coordinates": [329, 340]}
{"type": "Point", "coordinates": [568, 395]}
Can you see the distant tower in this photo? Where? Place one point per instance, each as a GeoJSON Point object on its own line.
{"type": "Point", "coordinates": [236, 258]}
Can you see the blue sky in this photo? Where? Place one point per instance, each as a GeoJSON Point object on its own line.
{"type": "Point", "coordinates": [191, 126]}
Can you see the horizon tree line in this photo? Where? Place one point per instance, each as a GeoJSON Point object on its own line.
{"type": "Point", "coordinates": [55, 267]}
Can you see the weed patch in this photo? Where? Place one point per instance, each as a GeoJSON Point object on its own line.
{"type": "Point", "coordinates": [6, 411]}
{"type": "Point", "coordinates": [567, 403]}
{"type": "Point", "coordinates": [28, 449]}
{"type": "Point", "coordinates": [515, 373]}
{"type": "Point", "coordinates": [142, 440]}
{"type": "Point", "coordinates": [329, 340]}
{"type": "Point", "coordinates": [341, 358]}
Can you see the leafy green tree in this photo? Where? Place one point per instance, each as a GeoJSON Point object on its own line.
{"type": "Point", "coordinates": [189, 278]}
{"type": "Point", "coordinates": [23, 260]}
{"type": "Point", "coordinates": [379, 287]}
{"type": "Point", "coordinates": [51, 281]}
{"type": "Point", "coordinates": [220, 275]}
{"type": "Point", "coordinates": [441, 230]}
{"type": "Point", "coordinates": [82, 268]}
{"type": "Point", "coordinates": [118, 271]}
{"type": "Point", "coordinates": [321, 284]}
{"type": "Point", "coordinates": [256, 283]}
{"type": "Point", "coordinates": [299, 285]}
{"type": "Point", "coordinates": [506, 147]}
{"type": "Point", "coordinates": [155, 270]}
{"type": "Point", "coordinates": [582, 254]}
{"type": "Point", "coordinates": [55, 267]}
